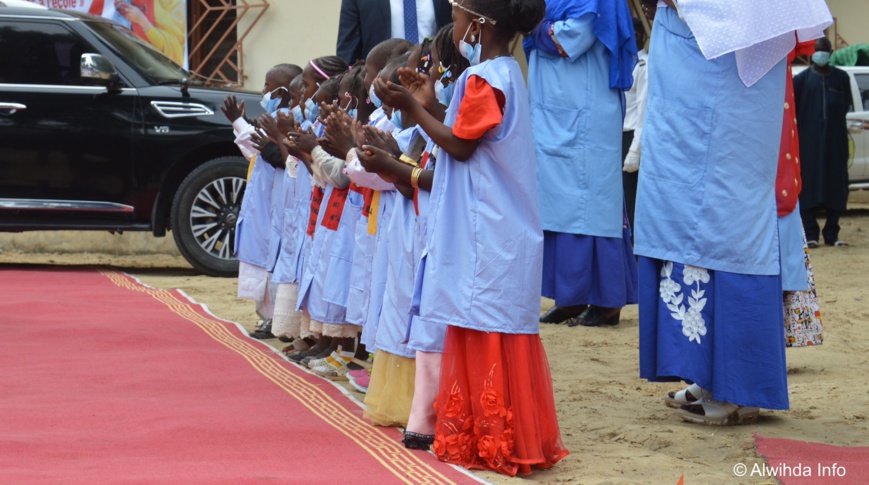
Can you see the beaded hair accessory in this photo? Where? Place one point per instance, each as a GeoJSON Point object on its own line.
{"type": "Point", "coordinates": [454, 3]}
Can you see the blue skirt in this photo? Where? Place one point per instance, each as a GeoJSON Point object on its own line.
{"type": "Point", "coordinates": [720, 330]}
{"type": "Point", "coordinates": [589, 270]}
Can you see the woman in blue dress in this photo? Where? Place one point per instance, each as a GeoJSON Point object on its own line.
{"type": "Point", "coordinates": [589, 267]}
{"type": "Point", "coordinates": [710, 272]}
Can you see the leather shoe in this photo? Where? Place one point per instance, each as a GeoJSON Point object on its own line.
{"type": "Point", "coordinates": [556, 314]}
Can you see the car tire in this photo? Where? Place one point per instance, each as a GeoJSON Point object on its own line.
{"type": "Point", "coordinates": [204, 213]}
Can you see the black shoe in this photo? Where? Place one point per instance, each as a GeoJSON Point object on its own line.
{"type": "Point", "coordinates": [556, 314]}
{"type": "Point", "coordinates": [416, 441]}
{"type": "Point", "coordinates": [264, 332]}
{"type": "Point", "coordinates": [593, 317]}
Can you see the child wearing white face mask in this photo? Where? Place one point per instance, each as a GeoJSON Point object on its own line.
{"type": "Point", "coordinates": [255, 244]}
{"type": "Point", "coordinates": [480, 272]}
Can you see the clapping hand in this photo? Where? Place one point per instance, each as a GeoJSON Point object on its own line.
{"type": "Point", "coordinates": [381, 140]}
{"type": "Point", "coordinates": [420, 85]}
{"type": "Point", "coordinates": [270, 127]}
{"type": "Point", "coordinates": [305, 141]}
{"type": "Point", "coordinates": [394, 95]}
{"type": "Point", "coordinates": [339, 135]}
{"type": "Point", "coordinates": [232, 109]}
{"type": "Point", "coordinates": [286, 122]}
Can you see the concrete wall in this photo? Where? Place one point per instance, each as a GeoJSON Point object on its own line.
{"type": "Point", "coordinates": [293, 31]}
{"type": "Point", "coordinates": [852, 17]}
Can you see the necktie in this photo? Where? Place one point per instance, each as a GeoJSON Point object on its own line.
{"type": "Point", "coordinates": [411, 31]}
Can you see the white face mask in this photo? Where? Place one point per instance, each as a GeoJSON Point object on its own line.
{"type": "Point", "coordinates": [471, 52]}
{"type": "Point", "coordinates": [271, 105]}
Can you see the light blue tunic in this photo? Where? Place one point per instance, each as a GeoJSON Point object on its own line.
{"type": "Point", "coordinates": [358, 300]}
{"type": "Point", "coordinates": [483, 261]}
{"type": "Point", "coordinates": [577, 121]}
{"type": "Point", "coordinates": [253, 229]}
{"type": "Point", "coordinates": [402, 252]}
{"type": "Point", "coordinates": [257, 239]}
{"type": "Point", "coordinates": [279, 193]}
{"type": "Point", "coordinates": [296, 209]}
{"type": "Point", "coordinates": [326, 275]}
{"type": "Point", "coordinates": [376, 283]}
{"type": "Point", "coordinates": [708, 199]}
{"type": "Point", "coordinates": [429, 337]}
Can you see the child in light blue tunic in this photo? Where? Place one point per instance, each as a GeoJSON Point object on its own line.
{"type": "Point", "coordinates": [480, 273]}
{"type": "Point", "coordinates": [253, 235]}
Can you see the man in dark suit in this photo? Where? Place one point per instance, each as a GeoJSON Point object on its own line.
{"type": "Point", "coordinates": [366, 23]}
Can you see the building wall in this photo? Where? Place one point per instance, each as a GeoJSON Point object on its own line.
{"type": "Point", "coordinates": [852, 17]}
{"type": "Point", "coordinates": [293, 31]}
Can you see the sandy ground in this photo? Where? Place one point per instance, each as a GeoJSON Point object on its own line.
{"type": "Point", "coordinates": [614, 424]}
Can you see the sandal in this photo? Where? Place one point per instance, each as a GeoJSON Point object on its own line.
{"type": "Point", "coordinates": [298, 345]}
{"type": "Point", "coordinates": [717, 413]}
{"type": "Point", "coordinates": [334, 368]}
{"type": "Point", "coordinates": [689, 395]}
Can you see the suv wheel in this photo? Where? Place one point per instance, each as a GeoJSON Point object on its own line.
{"type": "Point", "coordinates": [204, 214]}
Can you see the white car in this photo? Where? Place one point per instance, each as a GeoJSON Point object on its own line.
{"type": "Point", "coordinates": [858, 125]}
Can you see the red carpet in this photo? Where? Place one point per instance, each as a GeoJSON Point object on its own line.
{"type": "Point", "coordinates": [802, 463]}
{"type": "Point", "coordinates": [105, 380]}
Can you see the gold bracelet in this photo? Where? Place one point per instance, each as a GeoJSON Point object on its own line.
{"type": "Point", "coordinates": [414, 177]}
{"type": "Point", "coordinates": [407, 160]}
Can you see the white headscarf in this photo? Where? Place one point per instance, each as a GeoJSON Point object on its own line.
{"type": "Point", "coordinates": [760, 32]}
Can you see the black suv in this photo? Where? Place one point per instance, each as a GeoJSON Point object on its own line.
{"type": "Point", "coordinates": [99, 131]}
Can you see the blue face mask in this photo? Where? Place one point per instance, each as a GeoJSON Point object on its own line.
{"type": "Point", "coordinates": [821, 58]}
{"type": "Point", "coordinates": [297, 114]}
{"type": "Point", "coordinates": [312, 110]}
{"type": "Point", "coordinates": [396, 119]}
{"type": "Point", "coordinates": [271, 105]}
{"type": "Point", "coordinates": [373, 97]}
{"type": "Point", "coordinates": [443, 93]}
{"type": "Point", "coordinates": [470, 52]}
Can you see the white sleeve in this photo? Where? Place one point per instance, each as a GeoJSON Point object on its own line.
{"type": "Point", "coordinates": [632, 161]}
{"type": "Point", "coordinates": [242, 130]}
{"type": "Point", "coordinates": [359, 176]}
{"type": "Point", "coordinates": [329, 168]}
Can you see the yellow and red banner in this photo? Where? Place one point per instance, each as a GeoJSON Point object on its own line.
{"type": "Point", "coordinates": [160, 23]}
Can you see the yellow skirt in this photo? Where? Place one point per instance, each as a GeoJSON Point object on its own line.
{"type": "Point", "coordinates": [390, 392]}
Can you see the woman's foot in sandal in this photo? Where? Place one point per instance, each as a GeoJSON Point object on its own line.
{"type": "Point", "coordinates": [717, 413]}
{"type": "Point", "coordinates": [689, 395]}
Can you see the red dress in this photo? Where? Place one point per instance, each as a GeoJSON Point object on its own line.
{"type": "Point", "coordinates": [495, 404]}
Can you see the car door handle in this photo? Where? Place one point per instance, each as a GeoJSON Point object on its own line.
{"type": "Point", "coordinates": [12, 108]}
{"type": "Point", "coordinates": [856, 128]}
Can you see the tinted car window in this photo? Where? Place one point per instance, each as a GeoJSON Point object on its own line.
{"type": "Point", "coordinates": [39, 53]}
{"type": "Point", "coordinates": [141, 55]}
{"type": "Point", "coordinates": [863, 85]}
